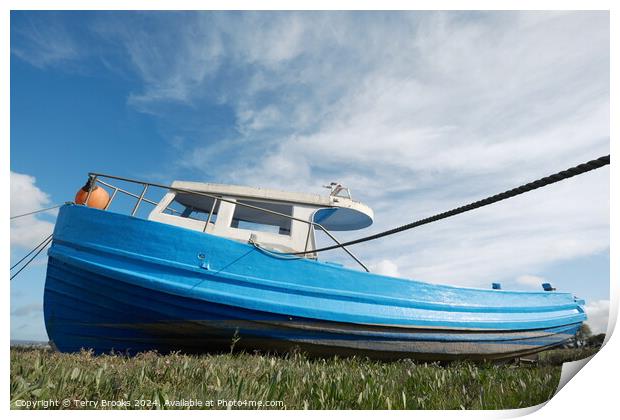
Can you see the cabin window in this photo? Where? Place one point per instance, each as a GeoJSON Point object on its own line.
{"type": "Point", "coordinates": [193, 207]}
{"type": "Point", "coordinates": [256, 220]}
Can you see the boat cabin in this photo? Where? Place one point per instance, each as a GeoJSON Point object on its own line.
{"type": "Point", "coordinates": [273, 219]}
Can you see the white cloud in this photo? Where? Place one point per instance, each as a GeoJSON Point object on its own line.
{"type": "Point", "coordinates": [598, 315]}
{"type": "Point", "coordinates": [172, 60]}
{"type": "Point", "coordinates": [252, 120]}
{"type": "Point", "coordinates": [386, 267]}
{"type": "Point", "coordinates": [561, 222]}
{"type": "Point", "coordinates": [45, 42]}
{"type": "Point", "coordinates": [30, 230]}
{"type": "Point", "coordinates": [531, 281]}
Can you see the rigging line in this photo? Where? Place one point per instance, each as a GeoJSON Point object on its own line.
{"type": "Point", "coordinates": [33, 257]}
{"type": "Point", "coordinates": [36, 211]}
{"type": "Point", "coordinates": [34, 249]}
{"type": "Point", "coordinates": [551, 179]}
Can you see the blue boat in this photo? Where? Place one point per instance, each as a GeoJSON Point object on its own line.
{"type": "Point", "coordinates": [213, 266]}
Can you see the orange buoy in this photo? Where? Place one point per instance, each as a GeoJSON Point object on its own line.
{"type": "Point", "coordinates": [98, 199]}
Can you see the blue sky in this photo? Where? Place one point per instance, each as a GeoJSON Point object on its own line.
{"type": "Point", "coordinates": [416, 112]}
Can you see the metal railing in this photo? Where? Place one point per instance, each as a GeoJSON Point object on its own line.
{"type": "Point", "coordinates": [145, 185]}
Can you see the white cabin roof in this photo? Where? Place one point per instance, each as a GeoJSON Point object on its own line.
{"type": "Point", "coordinates": [333, 212]}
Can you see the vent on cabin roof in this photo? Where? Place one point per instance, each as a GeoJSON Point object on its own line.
{"type": "Point", "coordinates": [337, 190]}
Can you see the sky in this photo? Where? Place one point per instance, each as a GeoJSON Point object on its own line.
{"type": "Point", "coordinates": [415, 112]}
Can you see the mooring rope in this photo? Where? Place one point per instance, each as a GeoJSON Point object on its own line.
{"type": "Point", "coordinates": [34, 249]}
{"type": "Point", "coordinates": [42, 246]}
{"type": "Point", "coordinates": [36, 211]}
{"type": "Point", "coordinates": [542, 182]}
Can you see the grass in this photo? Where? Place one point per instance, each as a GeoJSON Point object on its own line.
{"type": "Point", "coordinates": [151, 379]}
{"type": "Point", "coordinates": [558, 356]}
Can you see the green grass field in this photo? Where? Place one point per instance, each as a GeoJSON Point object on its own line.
{"type": "Point", "coordinates": [151, 380]}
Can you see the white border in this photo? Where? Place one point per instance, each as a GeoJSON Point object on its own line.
{"type": "Point", "coordinates": [590, 395]}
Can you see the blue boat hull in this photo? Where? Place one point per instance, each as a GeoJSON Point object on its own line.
{"type": "Point", "coordinates": [120, 283]}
